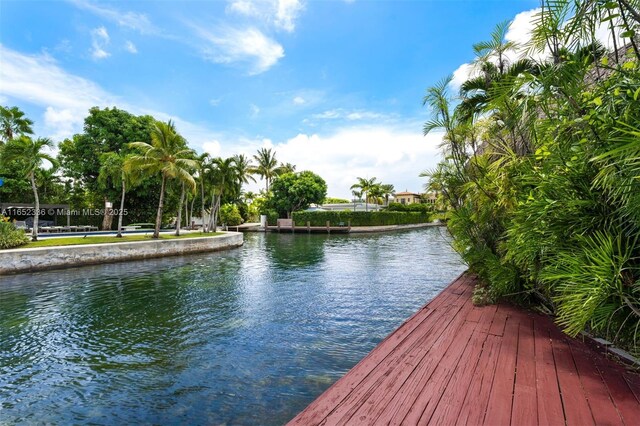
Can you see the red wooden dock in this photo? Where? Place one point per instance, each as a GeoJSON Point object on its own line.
{"type": "Point", "coordinates": [454, 363]}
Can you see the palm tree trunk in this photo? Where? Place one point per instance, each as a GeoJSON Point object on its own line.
{"type": "Point", "coordinates": [190, 222]}
{"type": "Point", "coordinates": [34, 231]}
{"type": "Point", "coordinates": [213, 200]}
{"type": "Point", "coordinates": [120, 213]}
{"type": "Point", "coordinates": [366, 201]}
{"type": "Point", "coordinates": [179, 218]}
{"type": "Point", "coordinates": [156, 232]}
{"type": "Point", "coordinates": [204, 229]}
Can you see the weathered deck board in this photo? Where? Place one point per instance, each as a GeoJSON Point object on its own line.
{"type": "Point", "coordinates": [455, 363]}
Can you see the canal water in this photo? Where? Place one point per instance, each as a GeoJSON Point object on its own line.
{"type": "Point", "coordinates": [246, 336]}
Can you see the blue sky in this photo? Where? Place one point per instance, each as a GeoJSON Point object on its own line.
{"type": "Point", "coordinates": [333, 86]}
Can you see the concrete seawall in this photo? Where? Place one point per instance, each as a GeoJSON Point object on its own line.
{"type": "Point", "coordinates": [45, 258]}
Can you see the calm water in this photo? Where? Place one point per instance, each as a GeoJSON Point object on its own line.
{"type": "Point", "coordinates": [248, 336]}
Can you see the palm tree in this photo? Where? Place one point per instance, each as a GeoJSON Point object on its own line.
{"type": "Point", "coordinates": [203, 164]}
{"type": "Point", "coordinates": [365, 186]}
{"type": "Point", "coordinates": [375, 193]}
{"type": "Point", "coordinates": [223, 175]}
{"type": "Point", "coordinates": [357, 195]}
{"type": "Point", "coordinates": [184, 182]}
{"type": "Point", "coordinates": [113, 172]}
{"type": "Point", "coordinates": [267, 167]}
{"type": "Point", "coordinates": [167, 155]}
{"type": "Point", "coordinates": [13, 123]}
{"type": "Point", "coordinates": [30, 153]}
{"type": "Point", "coordinates": [387, 191]}
{"type": "Point", "coordinates": [286, 168]}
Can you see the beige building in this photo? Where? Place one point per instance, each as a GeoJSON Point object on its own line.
{"type": "Point", "coordinates": [407, 198]}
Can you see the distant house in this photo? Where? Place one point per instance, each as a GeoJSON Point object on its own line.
{"type": "Point", "coordinates": [429, 197]}
{"type": "Point", "coordinates": [407, 198]}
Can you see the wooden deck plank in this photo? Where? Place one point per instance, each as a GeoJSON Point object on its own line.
{"type": "Point", "coordinates": [621, 394]}
{"type": "Point", "coordinates": [576, 408]}
{"type": "Point", "coordinates": [454, 363]}
{"type": "Point", "coordinates": [343, 387]}
{"type": "Point", "coordinates": [602, 407]}
{"type": "Point", "coordinates": [383, 382]}
{"type": "Point", "coordinates": [525, 404]}
{"type": "Point", "coordinates": [452, 398]}
{"type": "Point", "coordinates": [549, 405]}
{"type": "Point", "coordinates": [501, 397]}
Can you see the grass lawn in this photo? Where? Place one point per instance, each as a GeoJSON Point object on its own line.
{"type": "Point", "coordinates": [71, 241]}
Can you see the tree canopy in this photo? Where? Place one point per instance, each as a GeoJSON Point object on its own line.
{"type": "Point", "coordinates": [297, 191]}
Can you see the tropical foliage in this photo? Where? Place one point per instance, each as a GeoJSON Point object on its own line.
{"type": "Point", "coordinates": [541, 165]}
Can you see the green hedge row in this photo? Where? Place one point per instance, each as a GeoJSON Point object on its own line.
{"type": "Point", "coordinates": [359, 218]}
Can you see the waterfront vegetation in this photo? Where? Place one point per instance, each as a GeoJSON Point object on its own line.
{"type": "Point", "coordinates": [346, 217]}
{"type": "Point", "coordinates": [542, 158]}
{"type": "Point", "coordinates": [102, 239]}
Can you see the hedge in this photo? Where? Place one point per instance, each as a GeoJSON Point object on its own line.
{"type": "Point", "coordinates": [320, 218]}
{"type": "Point", "coordinates": [11, 237]}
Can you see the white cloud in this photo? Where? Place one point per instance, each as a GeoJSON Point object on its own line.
{"type": "Point", "coordinates": [255, 110]}
{"type": "Point", "coordinates": [230, 45]}
{"type": "Point", "coordinates": [99, 42]}
{"type": "Point", "coordinates": [213, 148]}
{"type": "Point", "coordinates": [215, 102]}
{"type": "Point", "coordinates": [355, 115]}
{"type": "Point", "coordinates": [66, 98]}
{"type": "Point", "coordinates": [280, 14]}
{"type": "Point", "coordinates": [299, 100]}
{"type": "Point", "coordinates": [133, 20]}
{"type": "Point", "coordinates": [130, 47]}
{"type": "Point", "coordinates": [287, 13]}
{"type": "Point", "coordinates": [521, 27]}
{"type": "Point", "coordinates": [393, 155]}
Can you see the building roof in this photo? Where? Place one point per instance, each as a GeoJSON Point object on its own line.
{"type": "Point", "coordinates": [407, 193]}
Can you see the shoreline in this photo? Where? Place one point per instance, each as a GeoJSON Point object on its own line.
{"type": "Point", "coordinates": [16, 261]}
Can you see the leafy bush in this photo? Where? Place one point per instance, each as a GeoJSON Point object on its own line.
{"type": "Point", "coordinates": [11, 237]}
{"type": "Point", "coordinates": [230, 215]}
{"type": "Point", "coordinates": [320, 218]}
{"type": "Point", "coordinates": [415, 207]}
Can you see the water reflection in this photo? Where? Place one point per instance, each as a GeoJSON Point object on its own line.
{"type": "Point", "coordinates": [240, 337]}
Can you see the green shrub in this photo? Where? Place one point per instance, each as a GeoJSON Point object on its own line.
{"type": "Point", "coordinates": [11, 237]}
{"type": "Point", "coordinates": [415, 207]}
{"type": "Point", "coordinates": [345, 217]}
{"type": "Point", "coordinates": [230, 215]}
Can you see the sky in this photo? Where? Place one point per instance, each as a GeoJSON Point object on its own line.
{"type": "Point", "coordinates": [334, 87]}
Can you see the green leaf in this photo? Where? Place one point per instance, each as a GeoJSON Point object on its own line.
{"type": "Point", "coordinates": [604, 61]}
{"type": "Point", "coordinates": [597, 101]}
{"type": "Point", "coordinates": [628, 34]}
{"type": "Point", "coordinates": [636, 94]}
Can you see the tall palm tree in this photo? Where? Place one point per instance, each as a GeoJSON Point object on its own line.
{"type": "Point", "coordinates": [13, 123]}
{"type": "Point", "coordinates": [223, 175]}
{"type": "Point", "coordinates": [203, 164]}
{"type": "Point", "coordinates": [365, 186]}
{"type": "Point", "coordinates": [357, 195]}
{"type": "Point", "coordinates": [387, 191]}
{"type": "Point", "coordinates": [113, 172]}
{"type": "Point", "coordinates": [267, 166]}
{"type": "Point", "coordinates": [183, 193]}
{"type": "Point", "coordinates": [31, 154]}
{"type": "Point", "coordinates": [167, 155]}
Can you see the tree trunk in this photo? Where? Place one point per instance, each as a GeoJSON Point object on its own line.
{"type": "Point", "coordinates": [36, 213]}
{"type": "Point", "coordinates": [204, 227]}
{"type": "Point", "coordinates": [213, 201]}
{"type": "Point", "coordinates": [156, 232]}
{"type": "Point", "coordinates": [120, 213]}
{"type": "Point", "coordinates": [107, 219]}
{"type": "Point", "coordinates": [179, 218]}
{"type": "Point", "coordinates": [193, 201]}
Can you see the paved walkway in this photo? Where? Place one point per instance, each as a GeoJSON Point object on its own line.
{"type": "Point", "coordinates": [454, 363]}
